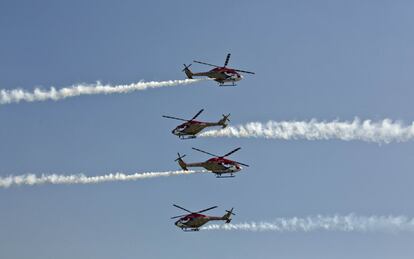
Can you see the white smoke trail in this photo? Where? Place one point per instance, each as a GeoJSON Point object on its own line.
{"type": "Point", "coordinates": [384, 131]}
{"type": "Point", "coordinates": [348, 223]}
{"type": "Point", "coordinates": [32, 179]}
{"type": "Point", "coordinates": [18, 95]}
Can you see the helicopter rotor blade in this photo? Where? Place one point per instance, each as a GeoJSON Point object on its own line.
{"type": "Point", "coordinates": [205, 152]}
{"type": "Point", "coordinates": [244, 71]}
{"type": "Point", "coordinates": [199, 62]}
{"type": "Point", "coordinates": [241, 163]}
{"type": "Point", "coordinates": [206, 209]}
{"type": "Point", "coordinates": [179, 216]}
{"type": "Point", "coordinates": [231, 152]}
{"type": "Point", "coordinates": [174, 118]}
{"type": "Point", "coordinates": [227, 60]}
{"type": "Point", "coordinates": [182, 208]}
{"type": "Point", "coordinates": [198, 113]}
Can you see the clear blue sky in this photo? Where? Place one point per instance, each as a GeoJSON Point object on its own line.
{"type": "Point", "coordinates": [314, 59]}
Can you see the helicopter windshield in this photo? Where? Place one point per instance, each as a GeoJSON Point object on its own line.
{"type": "Point", "coordinates": [185, 220]}
{"type": "Point", "coordinates": [179, 129]}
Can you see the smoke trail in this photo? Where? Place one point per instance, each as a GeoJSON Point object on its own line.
{"type": "Point", "coordinates": [17, 95]}
{"type": "Point", "coordinates": [31, 179]}
{"type": "Point", "coordinates": [384, 131]}
{"type": "Point", "coordinates": [348, 223]}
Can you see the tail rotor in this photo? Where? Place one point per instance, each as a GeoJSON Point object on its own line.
{"type": "Point", "coordinates": [187, 71]}
{"type": "Point", "coordinates": [225, 120]}
{"type": "Point", "coordinates": [228, 215]}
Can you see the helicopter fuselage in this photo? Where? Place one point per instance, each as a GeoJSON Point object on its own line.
{"type": "Point", "coordinates": [218, 165]}
{"type": "Point", "coordinates": [192, 221]}
{"type": "Point", "coordinates": [192, 128]}
{"type": "Point", "coordinates": [222, 75]}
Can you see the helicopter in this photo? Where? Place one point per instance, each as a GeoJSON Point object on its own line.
{"type": "Point", "coordinates": [190, 128]}
{"type": "Point", "coordinates": [217, 165]}
{"type": "Point", "coordinates": [194, 220]}
{"type": "Point", "coordinates": [220, 74]}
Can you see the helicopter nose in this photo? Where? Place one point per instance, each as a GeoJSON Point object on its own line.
{"type": "Point", "coordinates": [178, 224]}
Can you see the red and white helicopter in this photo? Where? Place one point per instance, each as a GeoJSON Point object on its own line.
{"type": "Point", "coordinates": [220, 74]}
{"type": "Point", "coordinates": [190, 128]}
{"type": "Point", "coordinates": [217, 165]}
{"type": "Point", "coordinates": [194, 220]}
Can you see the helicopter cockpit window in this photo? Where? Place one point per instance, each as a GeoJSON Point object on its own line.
{"type": "Point", "coordinates": [225, 165]}
{"type": "Point", "coordinates": [181, 127]}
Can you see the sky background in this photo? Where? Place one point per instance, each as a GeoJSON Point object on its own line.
{"type": "Point", "coordinates": [313, 59]}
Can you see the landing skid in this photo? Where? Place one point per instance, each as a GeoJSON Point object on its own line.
{"type": "Point", "coordinates": [225, 176]}
{"type": "Point", "coordinates": [227, 85]}
{"type": "Point", "coordinates": [188, 137]}
{"type": "Point", "coordinates": [191, 230]}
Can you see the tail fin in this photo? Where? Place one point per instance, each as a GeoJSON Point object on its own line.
{"type": "Point", "coordinates": [227, 216]}
{"type": "Point", "coordinates": [224, 121]}
{"type": "Point", "coordinates": [188, 71]}
{"type": "Point", "coordinates": [181, 162]}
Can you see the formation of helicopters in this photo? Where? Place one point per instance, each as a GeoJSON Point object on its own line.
{"type": "Point", "coordinates": [221, 166]}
